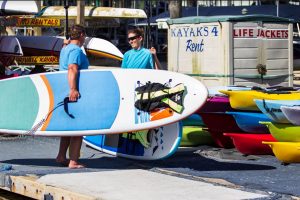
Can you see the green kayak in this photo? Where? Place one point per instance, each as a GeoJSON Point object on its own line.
{"type": "Point", "coordinates": [284, 132]}
{"type": "Point", "coordinates": [195, 136]}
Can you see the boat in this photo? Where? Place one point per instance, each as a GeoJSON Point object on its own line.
{"type": "Point", "coordinates": [249, 121]}
{"type": "Point", "coordinates": [251, 144]}
{"type": "Point", "coordinates": [195, 136]}
{"type": "Point", "coordinates": [220, 140]}
{"type": "Point", "coordinates": [292, 113]}
{"type": "Point", "coordinates": [193, 120]}
{"type": "Point", "coordinates": [286, 152]}
{"type": "Point", "coordinates": [216, 104]}
{"type": "Point", "coordinates": [244, 99]}
{"type": "Point", "coordinates": [271, 108]}
{"type": "Point", "coordinates": [10, 46]}
{"type": "Point", "coordinates": [284, 132]}
{"type": "Point", "coordinates": [219, 123]}
{"type": "Point", "coordinates": [51, 46]}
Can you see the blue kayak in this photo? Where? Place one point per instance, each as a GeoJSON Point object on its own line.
{"type": "Point", "coordinates": [249, 121]}
{"type": "Point", "coordinates": [271, 108]}
{"type": "Point", "coordinates": [193, 120]}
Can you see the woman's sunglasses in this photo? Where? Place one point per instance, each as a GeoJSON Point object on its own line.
{"type": "Point", "coordinates": [133, 37]}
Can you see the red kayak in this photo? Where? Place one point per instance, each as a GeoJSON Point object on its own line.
{"type": "Point", "coordinates": [219, 123]}
{"type": "Point", "coordinates": [221, 140]}
{"type": "Point", "coordinates": [251, 144]}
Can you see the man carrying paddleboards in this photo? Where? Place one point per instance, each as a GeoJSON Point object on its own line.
{"type": "Point", "coordinates": [139, 57]}
{"type": "Point", "coordinates": [72, 59]}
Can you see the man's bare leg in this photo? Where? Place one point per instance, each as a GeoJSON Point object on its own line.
{"type": "Point", "coordinates": [63, 148]}
{"type": "Point", "coordinates": [74, 150]}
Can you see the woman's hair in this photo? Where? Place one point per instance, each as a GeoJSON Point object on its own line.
{"type": "Point", "coordinates": [137, 31]}
{"type": "Point", "coordinates": [76, 31]}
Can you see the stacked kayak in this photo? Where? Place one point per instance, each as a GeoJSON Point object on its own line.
{"type": "Point", "coordinates": [285, 129]}
{"type": "Point", "coordinates": [194, 133]}
{"type": "Point", "coordinates": [292, 113]}
{"type": "Point", "coordinates": [249, 121]}
{"type": "Point", "coordinates": [244, 99]}
{"type": "Point", "coordinates": [219, 123]}
{"type": "Point", "coordinates": [253, 121]}
{"type": "Point", "coordinates": [286, 152]}
{"type": "Point", "coordinates": [195, 136]}
{"type": "Point", "coordinates": [271, 108]}
{"type": "Point", "coordinates": [252, 108]}
{"type": "Point", "coordinates": [284, 132]}
{"type": "Point", "coordinates": [251, 144]}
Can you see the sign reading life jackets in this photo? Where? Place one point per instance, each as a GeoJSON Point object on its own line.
{"type": "Point", "coordinates": [260, 33]}
{"type": "Point", "coordinates": [37, 60]}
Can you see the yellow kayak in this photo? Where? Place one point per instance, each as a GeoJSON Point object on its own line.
{"type": "Point", "coordinates": [286, 152]}
{"type": "Point", "coordinates": [244, 99]}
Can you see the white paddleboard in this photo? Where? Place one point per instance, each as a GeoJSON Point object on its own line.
{"type": "Point", "coordinates": [153, 144]}
{"type": "Point", "coordinates": [36, 102]}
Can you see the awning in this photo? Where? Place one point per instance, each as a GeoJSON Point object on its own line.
{"type": "Point", "coordinates": [90, 11]}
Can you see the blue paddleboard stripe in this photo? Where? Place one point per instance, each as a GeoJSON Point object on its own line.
{"type": "Point", "coordinates": [97, 107]}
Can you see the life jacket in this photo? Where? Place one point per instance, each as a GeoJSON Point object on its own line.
{"type": "Point", "coordinates": [157, 95]}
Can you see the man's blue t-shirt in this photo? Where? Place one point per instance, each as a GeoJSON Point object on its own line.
{"type": "Point", "coordinates": [72, 54]}
{"type": "Point", "coordinates": [138, 59]}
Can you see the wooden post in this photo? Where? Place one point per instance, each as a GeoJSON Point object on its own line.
{"type": "Point", "coordinates": [80, 12]}
{"type": "Point", "coordinates": [175, 7]}
{"type": "Point", "coordinates": [38, 30]}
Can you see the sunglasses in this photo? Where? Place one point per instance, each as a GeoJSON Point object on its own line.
{"type": "Point", "coordinates": [133, 37]}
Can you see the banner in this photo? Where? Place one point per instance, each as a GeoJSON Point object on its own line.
{"type": "Point", "coordinates": [30, 22]}
{"type": "Point", "coordinates": [33, 22]}
{"type": "Point", "coordinates": [23, 60]}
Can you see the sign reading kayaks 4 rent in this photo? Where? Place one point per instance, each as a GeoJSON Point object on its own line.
{"type": "Point", "coordinates": [232, 50]}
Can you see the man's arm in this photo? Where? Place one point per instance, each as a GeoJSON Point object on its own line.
{"type": "Point", "coordinates": [72, 78]}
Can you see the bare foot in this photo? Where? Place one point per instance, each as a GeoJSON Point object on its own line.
{"type": "Point", "coordinates": [75, 165]}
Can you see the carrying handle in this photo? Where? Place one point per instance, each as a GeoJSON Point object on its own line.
{"type": "Point", "coordinates": [66, 107]}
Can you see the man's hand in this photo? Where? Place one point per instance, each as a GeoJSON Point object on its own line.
{"type": "Point", "coordinates": [74, 95]}
{"type": "Point", "coordinates": [153, 51]}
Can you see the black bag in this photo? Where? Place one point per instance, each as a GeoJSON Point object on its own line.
{"type": "Point", "coordinates": [153, 95]}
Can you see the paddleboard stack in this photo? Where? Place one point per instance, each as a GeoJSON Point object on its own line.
{"type": "Point", "coordinates": [276, 109]}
